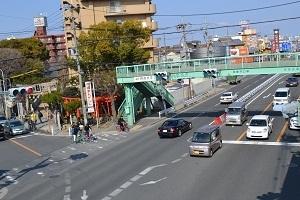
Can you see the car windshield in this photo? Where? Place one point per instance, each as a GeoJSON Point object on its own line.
{"type": "Point", "coordinates": [292, 79]}
{"type": "Point", "coordinates": [2, 118]}
{"type": "Point", "coordinates": [233, 111]}
{"type": "Point", "coordinates": [258, 122]}
{"type": "Point", "coordinates": [201, 137]}
{"type": "Point", "coordinates": [16, 123]}
{"type": "Point", "coordinates": [281, 94]}
{"type": "Point", "coordinates": [226, 95]}
{"type": "Point", "coordinates": [170, 123]}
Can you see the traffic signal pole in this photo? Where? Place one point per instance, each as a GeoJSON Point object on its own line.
{"type": "Point", "coordinates": [4, 95]}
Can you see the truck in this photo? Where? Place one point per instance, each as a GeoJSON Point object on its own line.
{"type": "Point", "coordinates": [233, 79]}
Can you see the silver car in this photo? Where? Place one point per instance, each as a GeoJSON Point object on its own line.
{"type": "Point", "coordinates": [205, 141]}
{"type": "Point", "coordinates": [14, 127]}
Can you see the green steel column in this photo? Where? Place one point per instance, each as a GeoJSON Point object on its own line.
{"type": "Point", "coordinates": [129, 107]}
{"type": "Point", "coordinates": [148, 105]}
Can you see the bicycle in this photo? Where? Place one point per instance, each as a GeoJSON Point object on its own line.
{"type": "Point", "coordinates": [123, 128]}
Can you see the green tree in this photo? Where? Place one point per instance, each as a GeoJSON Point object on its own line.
{"type": "Point", "coordinates": [53, 99]}
{"type": "Point", "coordinates": [107, 45]}
{"type": "Point", "coordinates": [29, 54]}
{"type": "Point", "coordinates": [72, 106]}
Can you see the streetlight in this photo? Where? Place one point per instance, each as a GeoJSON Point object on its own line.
{"type": "Point", "coordinates": [4, 90]}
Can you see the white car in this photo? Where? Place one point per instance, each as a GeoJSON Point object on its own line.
{"type": "Point", "coordinates": [294, 123]}
{"type": "Point", "coordinates": [228, 97]}
{"type": "Point", "coordinates": [260, 126]}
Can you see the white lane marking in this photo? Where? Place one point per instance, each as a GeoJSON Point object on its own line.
{"type": "Point", "coordinates": [247, 86]}
{"type": "Point", "coordinates": [189, 139]}
{"type": "Point", "coordinates": [177, 160]}
{"type": "Point", "coordinates": [281, 82]}
{"type": "Point", "coordinates": [184, 155]}
{"type": "Point", "coordinates": [15, 169]}
{"type": "Point", "coordinates": [106, 198]}
{"type": "Point", "coordinates": [153, 182]}
{"type": "Point", "coordinates": [126, 185]}
{"type": "Point", "coordinates": [104, 139]}
{"type": "Point", "coordinates": [23, 136]}
{"type": "Point", "coordinates": [3, 192]}
{"type": "Point", "coordinates": [116, 192]}
{"type": "Point", "coordinates": [68, 189]}
{"type": "Point", "coordinates": [255, 81]}
{"type": "Point", "coordinates": [145, 171]}
{"type": "Point", "coordinates": [72, 148]}
{"type": "Point", "coordinates": [264, 91]}
{"type": "Point", "coordinates": [211, 123]}
{"type": "Point", "coordinates": [100, 147]}
{"type": "Point", "coordinates": [67, 197]}
{"type": "Point", "coordinates": [135, 178]}
{"type": "Point", "coordinates": [289, 144]}
{"type": "Point", "coordinates": [266, 96]}
{"type": "Point", "coordinates": [63, 151]}
{"type": "Point", "coordinates": [216, 104]}
{"type": "Point", "coordinates": [262, 77]}
{"type": "Point", "coordinates": [84, 195]}
{"type": "Point", "coordinates": [40, 173]}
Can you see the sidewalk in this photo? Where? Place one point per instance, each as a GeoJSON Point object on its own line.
{"type": "Point", "coordinates": [142, 123]}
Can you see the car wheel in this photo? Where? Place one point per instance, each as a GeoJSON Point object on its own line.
{"type": "Point", "coordinates": [210, 153]}
{"type": "Point", "coordinates": [179, 133]}
{"type": "Point", "coordinates": [221, 144]}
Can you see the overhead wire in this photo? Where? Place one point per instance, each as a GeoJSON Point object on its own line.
{"type": "Point", "coordinates": [229, 12]}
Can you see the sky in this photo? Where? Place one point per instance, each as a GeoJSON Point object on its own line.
{"type": "Point", "coordinates": [16, 17]}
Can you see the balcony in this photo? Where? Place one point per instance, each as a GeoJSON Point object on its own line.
{"type": "Point", "coordinates": [130, 10]}
{"type": "Point", "coordinates": [152, 43]}
{"type": "Point", "coordinates": [153, 26]}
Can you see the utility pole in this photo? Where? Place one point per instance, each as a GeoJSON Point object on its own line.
{"type": "Point", "coordinates": [165, 48]}
{"type": "Point", "coordinates": [182, 28]}
{"type": "Point", "coordinates": [72, 8]}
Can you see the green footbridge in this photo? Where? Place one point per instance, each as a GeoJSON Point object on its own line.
{"type": "Point", "coordinates": [140, 82]}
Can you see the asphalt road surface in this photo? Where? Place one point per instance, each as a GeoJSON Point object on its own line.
{"type": "Point", "coordinates": [149, 168]}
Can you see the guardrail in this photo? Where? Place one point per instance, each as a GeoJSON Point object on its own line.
{"type": "Point", "coordinates": [194, 99]}
{"type": "Point", "coordinates": [250, 94]}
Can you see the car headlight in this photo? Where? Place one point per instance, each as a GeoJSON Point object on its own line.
{"type": "Point", "coordinates": [265, 129]}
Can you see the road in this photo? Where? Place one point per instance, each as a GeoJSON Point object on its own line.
{"type": "Point", "coordinates": [144, 166]}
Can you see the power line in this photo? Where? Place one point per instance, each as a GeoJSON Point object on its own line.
{"type": "Point", "coordinates": [229, 12]}
{"type": "Point", "coordinates": [230, 26]}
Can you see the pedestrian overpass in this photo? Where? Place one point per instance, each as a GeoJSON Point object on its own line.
{"type": "Point", "coordinates": [140, 81]}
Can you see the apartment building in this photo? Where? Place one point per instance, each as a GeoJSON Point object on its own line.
{"type": "Point", "coordinates": [90, 12]}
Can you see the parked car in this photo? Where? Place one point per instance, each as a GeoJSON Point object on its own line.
{"type": "Point", "coordinates": [14, 127]}
{"type": "Point", "coordinates": [292, 81]}
{"type": "Point", "coordinates": [294, 123]}
{"type": "Point", "coordinates": [260, 126]}
{"type": "Point", "coordinates": [205, 141]}
{"type": "Point", "coordinates": [174, 127]}
{"type": "Point", "coordinates": [2, 134]}
{"type": "Point", "coordinates": [2, 119]}
{"type": "Point", "coordinates": [228, 97]}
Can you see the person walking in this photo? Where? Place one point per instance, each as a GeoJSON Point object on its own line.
{"type": "Point", "coordinates": [74, 131]}
{"type": "Point", "coordinates": [33, 118]}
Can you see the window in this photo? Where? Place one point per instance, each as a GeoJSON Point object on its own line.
{"type": "Point", "coordinates": [115, 6]}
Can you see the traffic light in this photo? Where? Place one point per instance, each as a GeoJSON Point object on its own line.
{"type": "Point", "coordinates": [211, 72]}
{"type": "Point", "coordinates": [20, 91]}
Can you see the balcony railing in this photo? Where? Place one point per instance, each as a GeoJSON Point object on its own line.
{"type": "Point", "coordinates": [130, 10]}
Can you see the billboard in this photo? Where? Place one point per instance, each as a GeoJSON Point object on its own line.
{"type": "Point", "coordinates": [40, 21]}
{"type": "Point", "coordinates": [89, 97]}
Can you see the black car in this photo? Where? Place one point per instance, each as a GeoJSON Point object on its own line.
{"type": "Point", "coordinates": [292, 81]}
{"type": "Point", "coordinates": [2, 134]}
{"type": "Point", "coordinates": [174, 128]}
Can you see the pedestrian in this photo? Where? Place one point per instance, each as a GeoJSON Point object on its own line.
{"type": "Point", "coordinates": [40, 115]}
{"type": "Point", "coordinates": [74, 131]}
{"type": "Point", "coordinates": [33, 119]}
{"type": "Point", "coordinates": [87, 130]}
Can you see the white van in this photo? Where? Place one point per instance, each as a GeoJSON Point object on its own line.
{"type": "Point", "coordinates": [282, 96]}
